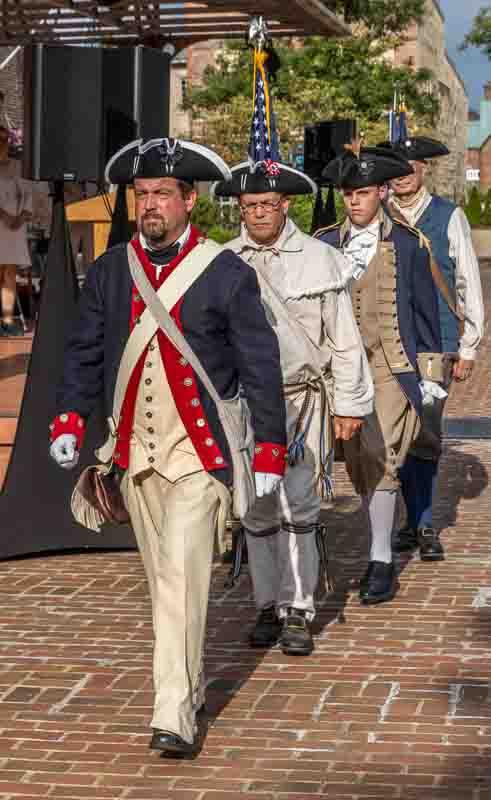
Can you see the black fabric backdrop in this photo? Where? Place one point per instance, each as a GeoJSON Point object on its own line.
{"type": "Point", "coordinates": [35, 511]}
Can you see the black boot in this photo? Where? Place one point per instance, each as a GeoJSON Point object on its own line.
{"type": "Point", "coordinates": [267, 629]}
{"type": "Point", "coordinates": [430, 547]}
{"type": "Point", "coordinates": [296, 638]}
{"type": "Point", "coordinates": [379, 584]}
{"type": "Point", "coordinates": [171, 743]}
{"type": "Point", "coordinates": [404, 540]}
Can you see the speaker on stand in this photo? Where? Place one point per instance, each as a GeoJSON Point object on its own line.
{"type": "Point", "coordinates": [81, 105]}
{"type": "Point", "coordinates": [324, 141]}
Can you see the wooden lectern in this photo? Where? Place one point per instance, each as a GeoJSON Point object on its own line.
{"type": "Point", "coordinates": [90, 220]}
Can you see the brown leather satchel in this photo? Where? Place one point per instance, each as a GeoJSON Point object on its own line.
{"type": "Point", "coordinates": [97, 498]}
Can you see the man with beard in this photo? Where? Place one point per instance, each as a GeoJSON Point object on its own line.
{"type": "Point", "coordinates": [169, 444]}
{"type": "Point", "coordinates": [461, 315]}
{"type": "Point", "coordinates": [395, 306]}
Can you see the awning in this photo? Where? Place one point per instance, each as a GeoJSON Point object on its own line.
{"type": "Point", "coordinates": [130, 22]}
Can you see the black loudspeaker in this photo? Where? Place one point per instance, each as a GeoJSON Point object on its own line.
{"type": "Point", "coordinates": [323, 142]}
{"type": "Point", "coordinates": [82, 104]}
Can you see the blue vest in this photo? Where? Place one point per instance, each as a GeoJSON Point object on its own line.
{"type": "Point", "coordinates": [434, 224]}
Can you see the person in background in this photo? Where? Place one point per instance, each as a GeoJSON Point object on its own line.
{"type": "Point", "coordinates": [395, 304]}
{"type": "Point", "coordinates": [325, 374]}
{"type": "Point", "coordinates": [461, 316]}
{"type": "Point", "coordinates": [15, 213]}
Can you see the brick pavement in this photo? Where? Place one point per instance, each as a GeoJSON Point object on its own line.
{"type": "Point", "coordinates": [394, 703]}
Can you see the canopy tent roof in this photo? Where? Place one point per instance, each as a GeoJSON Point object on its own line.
{"type": "Point", "coordinates": [131, 22]}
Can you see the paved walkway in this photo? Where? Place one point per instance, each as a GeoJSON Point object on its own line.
{"type": "Point", "coordinates": [394, 703]}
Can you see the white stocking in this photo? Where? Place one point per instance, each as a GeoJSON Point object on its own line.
{"type": "Point", "coordinates": [381, 508]}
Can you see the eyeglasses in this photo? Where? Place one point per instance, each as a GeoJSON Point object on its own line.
{"type": "Point", "coordinates": [267, 205]}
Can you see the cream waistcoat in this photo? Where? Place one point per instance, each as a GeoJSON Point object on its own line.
{"type": "Point", "coordinates": [160, 440]}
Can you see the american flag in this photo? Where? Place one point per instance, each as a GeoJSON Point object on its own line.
{"type": "Point", "coordinates": [398, 131]}
{"type": "Point", "coordinates": [264, 139]}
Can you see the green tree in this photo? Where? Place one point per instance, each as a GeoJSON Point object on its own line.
{"type": "Point", "coordinates": [220, 223]}
{"type": "Point", "coordinates": [382, 17]}
{"type": "Point", "coordinates": [480, 33]}
{"type": "Point", "coordinates": [323, 79]}
{"type": "Point", "coordinates": [473, 208]}
{"type": "Point", "coordinates": [486, 215]}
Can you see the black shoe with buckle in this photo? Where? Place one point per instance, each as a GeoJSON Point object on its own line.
{"type": "Point", "coordinates": [405, 540]}
{"type": "Point", "coordinates": [267, 629]}
{"type": "Point", "coordinates": [296, 638]}
{"type": "Point", "coordinates": [430, 547]}
{"type": "Point", "coordinates": [171, 743]}
{"type": "Point", "coordinates": [379, 584]}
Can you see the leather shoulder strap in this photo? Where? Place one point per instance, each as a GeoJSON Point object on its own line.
{"type": "Point", "coordinates": [437, 274]}
{"type": "Point", "coordinates": [163, 319]}
{"type": "Point", "coordinates": [169, 294]}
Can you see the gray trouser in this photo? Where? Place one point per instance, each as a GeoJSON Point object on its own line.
{"type": "Point", "coordinates": [281, 542]}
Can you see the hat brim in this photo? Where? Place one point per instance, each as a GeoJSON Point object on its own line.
{"type": "Point", "coordinates": [146, 159]}
{"type": "Point", "coordinates": [374, 167]}
{"type": "Point", "coordinates": [418, 148]}
{"type": "Point", "coordinates": [290, 181]}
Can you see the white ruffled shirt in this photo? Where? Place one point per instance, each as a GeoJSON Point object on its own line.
{"type": "Point", "coordinates": [361, 247]}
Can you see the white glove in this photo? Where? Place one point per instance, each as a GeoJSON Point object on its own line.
{"type": "Point", "coordinates": [430, 390]}
{"type": "Point", "coordinates": [266, 483]}
{"type": "Point", "coordinates": [64, 451]}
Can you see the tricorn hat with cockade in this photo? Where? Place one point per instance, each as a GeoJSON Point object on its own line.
{"type": "Point", "coordinates": [165, 158]}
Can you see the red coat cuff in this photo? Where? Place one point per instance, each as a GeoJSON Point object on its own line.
{"type": "Point", "coordinates": [71, 422]}
{"type": "Point", "coordinates": [269, 458]}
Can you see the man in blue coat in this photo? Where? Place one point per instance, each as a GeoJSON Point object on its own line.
{"type": "Point", "coordinates": [461, 315]}
{"type": "Point", "coordinates": [169, 445]}
{"type": "Point", "coordinates": [395, 307]}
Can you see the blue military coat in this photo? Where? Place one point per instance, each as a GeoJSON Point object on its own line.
{"type": "Point", "coordinates": [414, 301]}
{"type": "Point", "coordinates": [223, 320]}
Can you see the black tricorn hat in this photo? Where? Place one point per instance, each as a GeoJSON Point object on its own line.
{"type": "Point", "coordinates": [418, 148]}
{"type": "Point", "coordinates": [165, 158]}
{"type": "Point", "coordinates": [264, 176]}
{"type": "Point", "coordinates": [374, 167]}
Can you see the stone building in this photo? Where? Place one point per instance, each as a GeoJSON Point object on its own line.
{"type": "Point", "coordinates": [425, 48]}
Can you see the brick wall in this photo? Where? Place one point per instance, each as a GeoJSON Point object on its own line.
{"type": "Point", "coordinates": [485, 165]}
{"type": "Point", "coordinates": [473, 159]}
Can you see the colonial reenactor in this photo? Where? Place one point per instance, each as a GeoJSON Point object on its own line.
{"type": "Point", "coordinates": [169, 442]}
{"type": "Point", "coordinates": [324, 371]}
{"type": "Point", "coordinates": [396, 309]}
{"type": "Point", "coordinates": [461, 314]}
